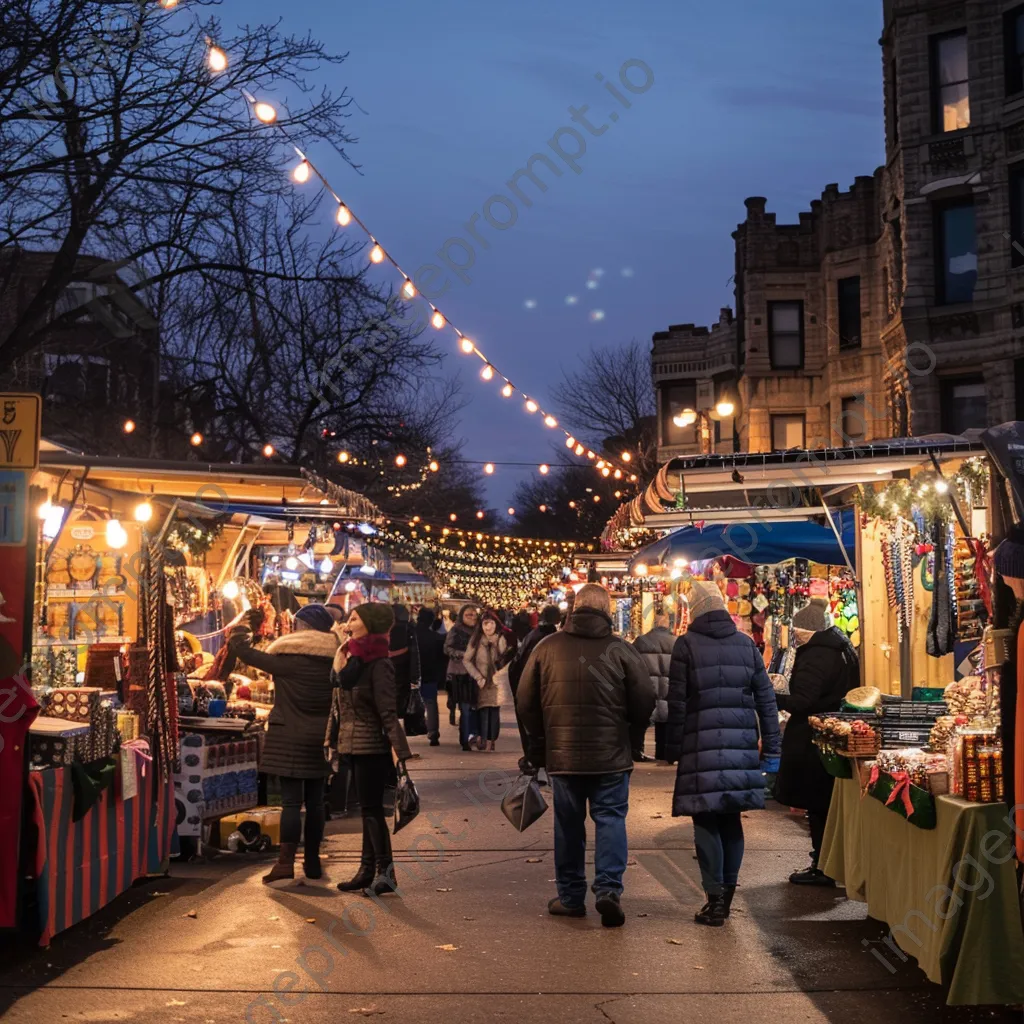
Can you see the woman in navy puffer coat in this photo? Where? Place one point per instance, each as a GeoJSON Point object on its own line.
{"type": "Point", "coordinates": [718, 693]}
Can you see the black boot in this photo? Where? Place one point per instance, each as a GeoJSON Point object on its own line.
{"type": "Point", "coordinates": [728, 892]}
{"type": "Point", "coordinates": [384, 881]}
{"type": "Point", "coordinates": [364, 876]}
{"type": "Point", "coordinates": [714, 912]}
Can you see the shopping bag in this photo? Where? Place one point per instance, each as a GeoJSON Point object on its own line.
{"type": "Point", "coordinates": [524, 803]}
{"type": "Point", "coordinates": [415, 720]}
{"type": "Point", "coordinates": [407, 799]}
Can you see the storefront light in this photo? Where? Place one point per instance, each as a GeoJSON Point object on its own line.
{"type": "Point", "coordinates": [326, 566]}
{"type": "Point", "coordinates": [291, 563]}
{"type": "Point", "coordinates": [143, 512]}
{"type": "Point", "coordinates": [640, 570]}
{"type": "Point", "coordinates": [230, 590]}
{"type": "Point", "coordinates": [350, 586]}
{"type": "Point", "coordinates": [52, 517]}
{"type": "Point", "coordinates": [116, 535]}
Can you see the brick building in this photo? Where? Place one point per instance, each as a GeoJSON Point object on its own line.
{"type": "Point", "coordinates": [895, 308]}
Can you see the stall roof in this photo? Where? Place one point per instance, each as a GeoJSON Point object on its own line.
{"type": "Point", "coordinates": [760, 541]}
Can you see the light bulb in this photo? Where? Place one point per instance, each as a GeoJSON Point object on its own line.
{"type": "Point", "coordinates": [453, 517]}
{"type": "Point", "coordinates": [217, 59]}
{"type": "Point", "coordinates": [480, 515]}
{"type": "Point", "coordinates": [680, 563]}
{"type": "Point", "coordinates": [467, 346]}
{"type": "Point", "coordinates": [376, 254]}
{"type": "Point", "coordinates": [626, 457]}
{"type": "Point", "coordinates": [268, 450]}
{"type": "Point", "coordinates": [196, 439]}
{"type": "Point", "coordinates": [408, 289]}
{"type": "Point", "coordinates": [572, 504]}
{"type": "Point", "coordinates": [168, 4]}
{"type": "Point", "coordinates": [350, 586]}
{"type": "Point", "coordinates": [591, 455]}
{"type": "Point", "coordinates": [606, 471]}
{"type": "Point", "coordinates": [434, 467]}
{"type": "Point", "coordinates": [265, 112]}
{"type": "Point", "coordinates": [291, 563]}
{"type": "Point", "coordinates": [230, 590]}
{"type": "Point", "coordinates": [326, 565]}
{"type": "Point", "coordinates": [725, 408]}
{"type": "Point", "coordinates": [570, 442]}
{"type": "Point", "coordinates": [531, 405]}
{"type": "Point", "coordinates": [400, 460]}
{"type": "Point", "coordinates": [941, 487]}
{"type": "Point", "coordinates": [618, 474]}
{"type": "Point", "coordinates": [489, 468]}
{"type": "Point", "coordinates": [597, 497]}
{"type": "Point", "coordinates": [128, 426]}
{"type": "Point", "coordinates": [580, 449]}
{"type": "Point", "coordinates": [545, 468]}
{"type": "Point", "coordinates": [507, 390]}
{"type": "Point", "coordinates": [640, 570]}
{"type": "Point", "coordinates": [511, 511]}
{"type": "Point", "coordinates": [437, 320]}
{"type": "Point", "coordinates": [685, 419]}
{"type": "Point", "coordinates": [143, 512]}
{"type": "Point", "coordinates": [343, 216]}
{"type": "Point", "coordinates": [543, 508]}
{"type": "Point", "coordinates": [487, 372]}
{"type": "Point", "coordinates": [633, 478]}
{"type": "Point", "coordinates": [116, 536]}
{"type": "Point", "coordinates": [550, 421]}
{"type": "Point", "coordinates": [600, 464]}
{"type": "Point", "coordinates": [300, 174]}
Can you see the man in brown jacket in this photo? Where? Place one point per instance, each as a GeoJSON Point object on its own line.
{"type": "Point", "coordinates": [585, 699]}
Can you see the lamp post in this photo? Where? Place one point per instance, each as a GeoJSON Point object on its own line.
{"type": "Point", "coordinates": [724, 408]}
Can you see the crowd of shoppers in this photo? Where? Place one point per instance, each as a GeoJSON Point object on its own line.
{"type": "Point", "coordinates": [584, 701]}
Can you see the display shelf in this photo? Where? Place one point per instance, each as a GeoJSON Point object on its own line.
{"type": "Point", "coordinates": [56, 642]}
{"type": "Point", "coordinates": [66, 594]}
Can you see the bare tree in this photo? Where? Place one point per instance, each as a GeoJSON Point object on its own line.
{"type": "Point", "coordinates": [572, 502]}
{"type": "Point", "coordinates": [119, 140]}
{"type": "Point", "coordinates": [611, 397]}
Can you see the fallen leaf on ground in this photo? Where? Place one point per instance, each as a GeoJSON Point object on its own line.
{"type": "Point", "coordinates": [273, 917]}
{"type": "Point", "coordinates": [641, 915]}
{"type": "Point", "coordinates": [175, 1002]}
{"type": "Point", "coordinates": [697, 967]}
{"type": "Point", "coordinates": [159, 894]}
{"type": "Point", "coordinates": [631, 862]}
{"type": "Point", "coordinates": [275, 947]}
{"type": "Point", "coordinates": [191, 913]}
{"type": "Point", "coordinates": [443, 890]}
{"type": "Point", "coordinates": [366, 1011]}
{"type": "Point", "coordinates": [310, 920]}
{"type": "Point", "coordinates": [448, 947]}
{"type": "Point", "coordinates": [533, 860]}
{"type": "Point", "coordinates": [675, 942]}
{"type": "Point", "coordinates": [657, 815]}
{"type": "Point", "coordinates": [469, 919]}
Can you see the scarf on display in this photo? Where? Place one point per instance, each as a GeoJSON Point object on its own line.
{"type": "Point", "coordinates": [361, 652]}
{"type": "Point", "coordinates": [942, 621]}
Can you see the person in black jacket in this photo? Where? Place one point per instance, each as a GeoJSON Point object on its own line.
{"type": "Point", "coordinates": [300, 663]}
{"type": "Point", "coordinates": [825, 670]}
{"type": "Point", "coordinates": [585, 698]}
{"type": "Point", "coordinates": [406, 657]}
{"type": "Point", "coordinates": [548, 626]}
{"type": "Point", "coordinates": [433, 669]}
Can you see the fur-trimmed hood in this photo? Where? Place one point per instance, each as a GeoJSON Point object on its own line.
{"type": "Point", "coordinates": [306, 641]}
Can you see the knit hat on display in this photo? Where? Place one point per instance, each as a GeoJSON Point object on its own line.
{"type": "Point", "coordinates": [377, 618]}
{"type": "Point", "coordinates": [314, 616]}
{"type": "Point", "coordinates": [813, 616]}
{"type": "Point", "coordinates": [1009, 556]}
{"type": "Point", "coordinates": [704, 598]}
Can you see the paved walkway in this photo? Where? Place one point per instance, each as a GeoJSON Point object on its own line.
{"type": "Point", "coordinates": [471, 939]}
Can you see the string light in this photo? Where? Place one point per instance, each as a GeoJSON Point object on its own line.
{"type": "Point", "coordinates": [376, 254]}
{"type": "Point", "coordinates": [300, 175]}
{"type": "Point", "coordinates": [487, 372]}
{"type": "Point", "coordinates": [453, 517]}
{"type": "Point", "coordinates": [550, 421]}
{"type": "Point", "coordinates": [467, 346]}
{"type": "Point", "coordinates": [264, 112]}
{"type": "Point", "coordinates": [489, 468]}
{"type": "Point", "coordinates": [408, 289]}
{"type": "Point", "coordinates": [400, 461]}
{"type": "Point", "coordinates": [511, 511]}
{"type": "Point", "coordinates": [626, 457]}
{"type": "Point", "coordinates": [570, 442]}
{"type": "Point", "coordinates": [545, 469]}
{"type": "Point", "coordinates": [531, 405]}
{"type": "Point", "coordinates": [579, 449]}
{"type": "Point", "coordinates": [128, 426]}
{"type": "Point", "coordinates": [343, 216]}
{"type": "Point", "coordinates": [216, 59]}
{"type": "Point", "coordinates": [268, 450]}
{"type": "Point", "coordinates": [343, 457]}
{"type": "Point", "coordinates": [196, 439]}
{"type": "Point", "coordinates": [433, 467]}
{"type": "Point", "coordinates": [507, 390]}
{"type": "Point", "coordinates": [437, 320]}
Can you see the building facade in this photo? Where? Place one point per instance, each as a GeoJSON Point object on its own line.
{"type": "Point", "coordinates": [895, 308]}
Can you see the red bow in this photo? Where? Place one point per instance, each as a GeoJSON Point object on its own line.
{"type": "Point", "coordinates": [902, 790]}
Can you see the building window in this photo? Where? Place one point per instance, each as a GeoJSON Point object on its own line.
{"type": "Point", "coordinates": [1013, 49]}
{"type": "Point", "coordinates": [849, 312]}
{"type": "Point", "coordinates": [1017, 216]}
{"type": "Point", "coordinates": [676, 398]}
{"type": "Point", "coordinates": [950, 90]}
{"type": "Point", "coordinates": [964, 405]}
{"type": "Point", "coordinates": [788, 431]}
{"type": "Point", "coordinates": [853, 423]}
{"type": "Point", "coordinates": [894, 104]}
{"type": "Point", "coordinates": [786, 335]}
{"type": "Point", "coordinates": [957, 250]}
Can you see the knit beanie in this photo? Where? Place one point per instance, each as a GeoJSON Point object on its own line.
{"type": "Point", "coordinates": [314, 616]}
{"type": "Point", "coordinates": [377, 618]}
{"type": "Point", "coordinates": [704, 598]}
{"type": "Point", "coordinates": [1009, 556]}
{"type": "Point", "coordinates": [813, 616]}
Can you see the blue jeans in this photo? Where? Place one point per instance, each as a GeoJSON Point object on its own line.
{"type": "Point", "coordinates": [608, 796]}
{"type": "Point", "coordinates": [488, 722]}
{"type": "Point", "coordinates": [433, 726]}
{"type": "Point", "coordinates": [719, 842]}
{"type": "Point", "coordinates": [467, 722]}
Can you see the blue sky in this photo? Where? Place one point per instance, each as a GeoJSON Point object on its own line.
{"type": "Point", "coordinates": [749, 98]}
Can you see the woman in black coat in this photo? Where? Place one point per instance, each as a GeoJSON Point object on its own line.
{"type": "Point", "coordinates": [825, 670]}
{"type": "Point", "coordinates": [718, 695]}
{"type": "Point", "coordinates": [300, 663]}
{"type": "Point", "coordinates": [405, 655]}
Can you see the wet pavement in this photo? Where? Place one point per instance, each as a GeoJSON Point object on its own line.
{"type": "Point", "coordinates": [470, 939]}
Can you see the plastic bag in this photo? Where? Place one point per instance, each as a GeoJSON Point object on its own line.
{"type": "Point", "coordinates": [524, 803]}
{"type": "Point", "coordinates": [415, 720]}
{"type": "Point", "coordinates": [407, 799]}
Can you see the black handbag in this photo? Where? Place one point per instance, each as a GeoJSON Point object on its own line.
{"type": "Point", "coordinates": [415, 720]}
{"type": "Point", "coordinates": [407, 799]}
{"type": "Point", "coordinates": [524, 802]}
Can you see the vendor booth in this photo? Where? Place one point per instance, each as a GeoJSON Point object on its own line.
{"type": "Point", "coordinates": [897, 539]}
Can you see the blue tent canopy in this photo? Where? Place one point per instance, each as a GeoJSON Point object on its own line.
{"type": "Point", "coordinates": [760, 542]}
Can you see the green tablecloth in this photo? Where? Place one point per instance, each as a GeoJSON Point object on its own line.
{"type": "Point", "coordinates": [949, 894]}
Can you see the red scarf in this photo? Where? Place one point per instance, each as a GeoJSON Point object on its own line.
{"type": "Point", "coordinates": [371, 647]}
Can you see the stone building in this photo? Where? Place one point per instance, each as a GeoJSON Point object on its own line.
{"type": "Point", "coordinates": [895, 308]}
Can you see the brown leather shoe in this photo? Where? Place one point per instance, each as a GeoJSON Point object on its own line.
{"type": "Point", "coordinates": [284, 869]}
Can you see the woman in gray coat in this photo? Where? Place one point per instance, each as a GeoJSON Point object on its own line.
{"type": "Point", "coordinates": [300, 663]}
{"type": "Point", "coordinates": [656, 648]}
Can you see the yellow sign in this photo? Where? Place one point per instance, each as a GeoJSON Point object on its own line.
{"type": "Point", "coordinates": [20, 427]}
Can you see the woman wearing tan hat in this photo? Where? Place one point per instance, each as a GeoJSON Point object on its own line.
{"type": "Point", "coordinates": [364, 726]}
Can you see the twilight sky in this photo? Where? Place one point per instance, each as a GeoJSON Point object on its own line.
{"type": "Point", "coordinates": [749, 98]}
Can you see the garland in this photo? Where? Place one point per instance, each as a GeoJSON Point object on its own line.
{"type": "Point", "coordinates": [193, 540]}
{"type": "Point", "coordinates": [927, 498]}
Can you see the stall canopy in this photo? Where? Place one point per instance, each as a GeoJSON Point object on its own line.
{"type": "Point", "coordinates": [761, 542]}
